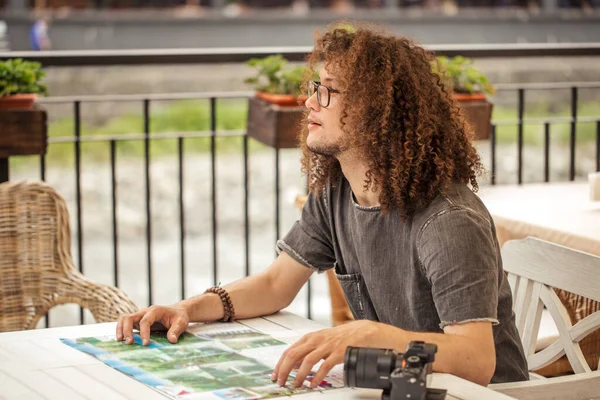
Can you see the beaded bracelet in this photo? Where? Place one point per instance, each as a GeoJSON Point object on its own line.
{"type": "Point", "coordinates": [229, 315]}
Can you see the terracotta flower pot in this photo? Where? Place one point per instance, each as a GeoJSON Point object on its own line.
{"type": "Point", "coordinates": [274, 125]}
{"type": "Point", "coordinates": [283, 100]}
{"type": "Point", "coordinates": [23, 101]}
{"type": "Point", "coordinates": [469, 96]}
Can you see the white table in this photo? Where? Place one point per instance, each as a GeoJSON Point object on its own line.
{"type": "Point", "coordinates": [557, 212]}
{"type": "Point", "coordinates": [36, 365]}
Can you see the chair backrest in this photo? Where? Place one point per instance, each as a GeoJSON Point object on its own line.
{"type": "Point", "coordinates": [534, 268]}
{"type": "Point", "coordinates": [36, 269]}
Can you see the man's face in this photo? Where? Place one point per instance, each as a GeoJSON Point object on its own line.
{"type": "Point", "coordinates": [325, 135]}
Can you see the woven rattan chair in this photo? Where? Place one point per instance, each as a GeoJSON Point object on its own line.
{"type": "Point", "coordinates": [36, 268]}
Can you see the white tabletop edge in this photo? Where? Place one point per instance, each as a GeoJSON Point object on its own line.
{"type": "Point", "coordinates": [280, 324]}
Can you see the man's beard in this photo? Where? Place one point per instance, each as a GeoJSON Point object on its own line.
{"type": "Point", "coordinates": [325, 149]}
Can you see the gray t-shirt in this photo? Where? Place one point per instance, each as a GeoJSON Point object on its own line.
{"type": "Point", "coordinates": [442, 266]}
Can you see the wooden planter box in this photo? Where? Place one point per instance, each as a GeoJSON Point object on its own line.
{"type": "Point", "coordinates": [23, 132]}
{"type": "Point", "coordinates": [479, 115]}
{"type": "Point", "coordinates": [274, 125]}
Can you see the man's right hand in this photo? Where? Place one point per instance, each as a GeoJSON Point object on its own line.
{"type": "Point", "coordinates": [173, 318]}
{"type": "Point", "coordinates": [281, 282]}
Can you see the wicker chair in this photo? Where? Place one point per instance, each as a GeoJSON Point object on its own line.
{"type": "Point", "coordinates": [36, 269]}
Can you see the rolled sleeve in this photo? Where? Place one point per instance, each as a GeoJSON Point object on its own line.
{"type": "Point", "coordinates": [309, 240]}
{"type": "Point", "coordinates": [458, 254]}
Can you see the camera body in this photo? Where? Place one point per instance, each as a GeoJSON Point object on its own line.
{"type": "Point", "coordinates": [400, 375]}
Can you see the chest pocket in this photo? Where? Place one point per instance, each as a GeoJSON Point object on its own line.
{"type": "Point", "coordinates": [357, 296]}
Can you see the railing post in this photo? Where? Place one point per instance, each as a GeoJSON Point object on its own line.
{"type": "Point", "coordinates": [115, 230]}
{"type": "Point", "coordinates": [521, 105]}
{"type": "Point", "coordinates": [77, 131]}
{"type": "Point", "coordinates": [277, 189]}
{"type": "Point", "coordinates": [181, 216]}
{"type": "Point", "coordinates": [547, 152]}
{"type": "Point", "coordinates": [43, 179]}
{"type": "Point", "coordinates": [213, 177]}
{"type": "Point", "coordinates": [246, 209]}
{"type": "Point", "coordinates": [4, 175]}
{"type": "Point", "coordinates": [43, 168]}
{"type": "Point", "coordinates": [493, 161]}
{"type": "Point", "coordinates": [598, 145]}
{"type": "Point", "coordinates": [148, 202]}
{"type": "Point", "coordinates": [573, 133]}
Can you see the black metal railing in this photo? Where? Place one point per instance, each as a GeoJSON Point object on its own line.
{"type": "Point", "coordinates": [147, 137]}
{"type": "Point", "coordinates": [521, 121]}
{"type": "Point", "coordinates": [78, 58]}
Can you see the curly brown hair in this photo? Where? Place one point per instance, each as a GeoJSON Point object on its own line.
{"type": "Point", "coordinates": [398, 115]}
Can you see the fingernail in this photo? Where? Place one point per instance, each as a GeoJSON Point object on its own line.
{"type": "Point", "coordinates": [280, 382]}
{"type": "Point", "coordinates": [128, 339]}
{"type": "Point", "coordinates": [273, 377]}
{"type": "Point", "coordinates": [145, 342]}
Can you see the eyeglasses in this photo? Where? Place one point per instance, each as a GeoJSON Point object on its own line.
{"type": "Point", "coordinates": [323, 92]}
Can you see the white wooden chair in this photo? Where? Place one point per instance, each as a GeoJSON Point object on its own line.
{"type": "Point", "coordinates": [534, 268]}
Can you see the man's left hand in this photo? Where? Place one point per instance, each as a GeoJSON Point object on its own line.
{"type": "Point", "coordinates": [328, 345]}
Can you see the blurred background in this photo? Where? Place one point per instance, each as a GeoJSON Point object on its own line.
{"type": "Point", "coordinates": [147, 117]}
{"type": "Point", "coordinates": [140, 24]}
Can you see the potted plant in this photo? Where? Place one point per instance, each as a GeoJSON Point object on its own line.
{"type": "Point", "coordinates": [20, 84]}
{"type": "Point", "coordinates": [275, 112]}
{"type": "Point", "coordinates": [470, 87]}
{"type": "Point", "coordinates": [24, 127]}
{"type": "Point", "coordinates": [276, 83]}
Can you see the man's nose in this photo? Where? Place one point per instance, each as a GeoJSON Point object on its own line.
{"type": "Point", "coordinates": [311, 103]}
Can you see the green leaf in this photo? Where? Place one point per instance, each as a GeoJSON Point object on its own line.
{"type": "Point", "coordinates": [460, 73]}
{"type": "Point", "coordinates": [273, 76]}
{"type": "Point", "coordinates": [19, 76]}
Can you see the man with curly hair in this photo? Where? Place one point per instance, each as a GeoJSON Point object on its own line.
{"type": "Point", "coordinates": [390, 161]}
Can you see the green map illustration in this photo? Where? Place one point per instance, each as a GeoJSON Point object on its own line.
{"type": "Point", "coordinates": [235, 363]}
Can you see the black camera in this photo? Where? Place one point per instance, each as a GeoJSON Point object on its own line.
{"type": "Point", "coordinates": [400, 375]}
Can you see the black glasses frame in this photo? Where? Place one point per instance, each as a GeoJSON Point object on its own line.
{"type": "Point", "coordinates": [313, 87]}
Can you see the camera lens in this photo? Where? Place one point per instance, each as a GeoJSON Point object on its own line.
{"type": "Point", "coordinates": [368, 368]}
